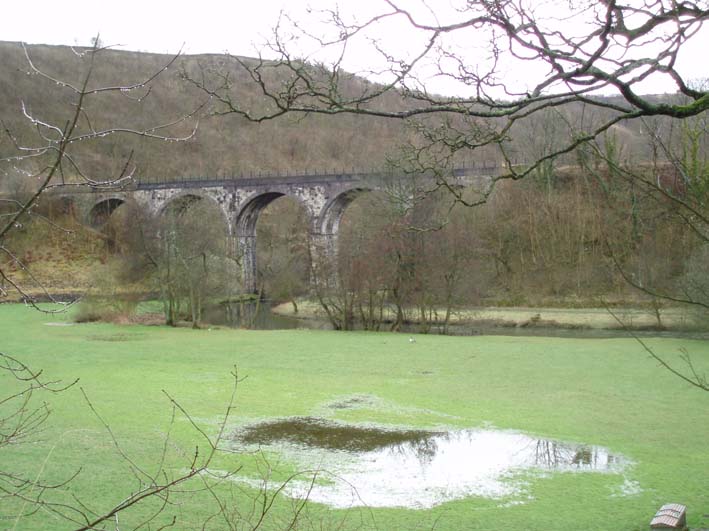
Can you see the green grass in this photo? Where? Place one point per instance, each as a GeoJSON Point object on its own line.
{"type": "Point", "coordinates": [603, 392]}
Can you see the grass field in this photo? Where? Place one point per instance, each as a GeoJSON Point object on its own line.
{"type": "Point", "coordinates": [602, 392]}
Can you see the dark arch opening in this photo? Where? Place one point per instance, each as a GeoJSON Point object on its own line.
{"type": "Point", "coordinates": [101, 212]}
{"type": "Point", "coordinates": [179, 206]}
{"type": "Point", "coordinates": [199, 215]}
{"type": "Point", "coordinates": [248, 217]}
{"type": "Point", "coordinates": [193, 256]}
{"type": "Point", "coordinates": [282, 250]}
{"type": "Point", "coordinates": [247, 224]}
{"type": "Point", "coordinates": [102, 220]}
{"type": "Point", "coordinates": [331, 216]}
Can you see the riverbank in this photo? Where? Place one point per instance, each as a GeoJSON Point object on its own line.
{"type": "Point", "coordinates": [495, 320]}
{"type": "Point", "coordinates": [677, 319]}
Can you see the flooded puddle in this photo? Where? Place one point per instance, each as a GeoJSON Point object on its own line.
{"type": "Point", "coordinates": [364, 465]}
{"type": "Point", "coordinates": [317, 433]}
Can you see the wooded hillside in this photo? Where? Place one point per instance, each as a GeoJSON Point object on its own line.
{"type": "Point", "coordinates": [222, 145]}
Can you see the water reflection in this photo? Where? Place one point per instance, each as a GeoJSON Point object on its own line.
{"type": "Point", "coordinates": [554, 455]}
{"type": "Point", "coordinates": [320, 433]}
{"type": "Point", "coordinates": [258, 316]}
{"type": "Point", "coordinates": [418, 469]}
{"type": "Point", "coordinates": [251, 314]}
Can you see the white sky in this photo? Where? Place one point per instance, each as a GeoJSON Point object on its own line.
{"type": "Point", "coordinates": [203, 26]}
{"type": "Point", "coordinates": [238, 26]}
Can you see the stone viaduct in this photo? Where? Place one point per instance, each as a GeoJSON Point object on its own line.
{"type": "Point", "coordinates": [323, 196]}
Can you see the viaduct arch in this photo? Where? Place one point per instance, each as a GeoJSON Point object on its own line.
{"type": "Point", "coordinates": [241, 200]}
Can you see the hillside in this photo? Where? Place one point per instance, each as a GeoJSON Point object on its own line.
{"type": "Point", "coordinates": [222, 145]}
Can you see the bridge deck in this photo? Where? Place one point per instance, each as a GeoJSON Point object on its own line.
{"type": "Point", "coordinates": [251, 180]}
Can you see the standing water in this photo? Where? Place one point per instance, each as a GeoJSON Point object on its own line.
{"type": "Point", "coordinates": [376, 467]}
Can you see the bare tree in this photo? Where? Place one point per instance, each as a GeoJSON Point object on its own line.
{"type": "Point", "coordinates": [282, 250]}
{"type": "Point", "coordinates": [596, 56]}
{"type": "Point", "coordinates": [53, 161]}
{"type": "Point", "coordinates": [54, 157]}
{"type": "Point", "coordinates": [158, 486]}
{"type": "Point", "coordinates": [568, 55]}
{"type": "Point", "coordinates": [672, 186]}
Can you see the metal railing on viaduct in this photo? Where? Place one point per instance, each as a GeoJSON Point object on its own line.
{"type": "Point", "coordinates": [255, 177]}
